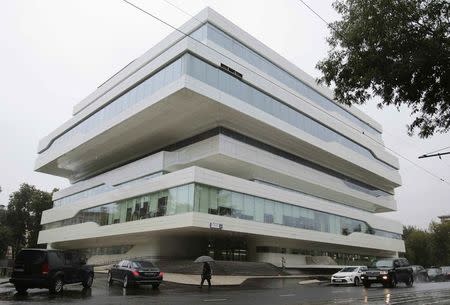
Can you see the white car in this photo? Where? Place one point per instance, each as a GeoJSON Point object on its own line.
{"type": "Point", "coordinates": [349, 275]}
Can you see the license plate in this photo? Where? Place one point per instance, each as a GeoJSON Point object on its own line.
{"type": "Point", "coordinates": [372, 277]}
{"type": "Point", "coordinates": [18, 269]}
{"type": "Point", "coordinates": [338, 280]}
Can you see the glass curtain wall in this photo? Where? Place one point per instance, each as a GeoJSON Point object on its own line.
{"type": "Point", "coordinates": [211, 33]}
{"type": "Point", "coordinates": [155, 82]}
{"type": "Point", "coordinates": [229, 84]}
{"type": "Point", "coordinates": [212, 200]}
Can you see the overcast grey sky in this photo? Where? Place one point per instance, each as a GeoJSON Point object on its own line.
{"type": "Point", "coordinates": [54, 53]}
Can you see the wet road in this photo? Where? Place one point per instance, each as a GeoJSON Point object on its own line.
{"type": "Point", "coordinates": [260, 292]}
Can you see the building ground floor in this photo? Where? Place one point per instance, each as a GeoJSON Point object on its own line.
{"type": "Point", "coordinates": [189, 243]}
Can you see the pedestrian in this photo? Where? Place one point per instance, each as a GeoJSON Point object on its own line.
{"type": "Point", "coordinates": [206, 274]}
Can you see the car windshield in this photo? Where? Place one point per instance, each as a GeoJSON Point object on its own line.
{"type": "Point", "coordinates": [31, 256]}
{"type": "Point", "coordinates": [348, 269]}
{"type": "Point", "coordinates": [384, 264]}
{"type": "Point", "coordinates": [143, 264]}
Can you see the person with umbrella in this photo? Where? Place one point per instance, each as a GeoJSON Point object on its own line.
{"type": "Point", "coordinates": [206, 272]}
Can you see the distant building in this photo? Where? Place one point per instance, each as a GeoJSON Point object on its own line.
{"type": "Point", "coordinates": [444, 218]}
{"type": "Point", "coordinates": [186, 152]}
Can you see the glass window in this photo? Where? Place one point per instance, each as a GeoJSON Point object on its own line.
{"type": "Point", "coordinates": [246, 93]}
{"type": "Point", "coordinates": [213, 200]}
{"type": "Point", "coordinates": [271, 69]}
{"type": "Point", "coordinates": [133, 96]}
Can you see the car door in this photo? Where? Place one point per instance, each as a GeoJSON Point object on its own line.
{"type": "Point", "coordinates": [68, 269]}
{"type": "Point", "coordinates": [115, 270]}
{"type": "Point", "coordinates": [76, 266]}
{"type": "Point", "coordinates": [400, 270]}
{"type": "Point", "coordinates": [123, 269]}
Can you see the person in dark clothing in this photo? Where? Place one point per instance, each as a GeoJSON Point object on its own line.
{"type": "Point", "coordinates": [206, 274]}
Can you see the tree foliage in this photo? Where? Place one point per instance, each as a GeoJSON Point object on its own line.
{"type": "Point", "coordinates": [428, 247]}
{"type": "Point", "coordinates": [397, 50]}
{"type": "Point", "coordinates": [440, 243]}
{"type": "Point", "coordinates": [24, 213]}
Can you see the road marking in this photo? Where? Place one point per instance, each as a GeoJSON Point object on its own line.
{"type": "Point", "coordinates": [214, 300]}
{"type": "Point", "coordinates": [287, 295]}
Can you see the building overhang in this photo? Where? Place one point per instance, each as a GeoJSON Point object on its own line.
{"type": "Point", "coordinates": [182, 110]}
{"type": "Point", "coordinates": [198, 224]}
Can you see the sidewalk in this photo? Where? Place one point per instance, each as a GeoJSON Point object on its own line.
{"type": "Point", "coordinates": [225, 280]}
{"type": "Point", "coordinates": [220, 280]}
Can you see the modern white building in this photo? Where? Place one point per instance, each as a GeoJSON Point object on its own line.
{"type": "Point", "coordinates": [213, 143]}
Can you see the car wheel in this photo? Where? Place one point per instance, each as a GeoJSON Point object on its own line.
{"type": "Point", "coordinates": [109, 278]}
{"type": "Point", "coordinates": [57, 285]}
{"type": "Point", "coordinates": [21, 289]}
{"type": "Point", "coordinates": [366, 285]}
{"type": "Point", "coordinates": [356, 281]}
{"type": "Point", "coordinates": [87, 283]}
{"type": "Point", "coordinates": [155, 286]}
{"type": "Point", "coordinates": [410, 282]}
{"type": "Point", "coordinates": [126, 283]}
{"type": "Point", "coordinates": [393, 282]}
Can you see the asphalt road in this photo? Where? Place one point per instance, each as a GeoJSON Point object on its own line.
{"type": "Point", "coordinates": [258, 292]}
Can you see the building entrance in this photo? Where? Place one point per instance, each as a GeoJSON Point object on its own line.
{"type": "Point", "coordinates": [229, 249]}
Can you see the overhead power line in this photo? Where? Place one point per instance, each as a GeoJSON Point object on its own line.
{"type": "Point", "coordinates": [435, 151]}
{"type": "Point", "coordinates": [275, 84]}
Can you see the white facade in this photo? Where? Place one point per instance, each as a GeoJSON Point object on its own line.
{"type": "Point", "coordinates": [215, 141]}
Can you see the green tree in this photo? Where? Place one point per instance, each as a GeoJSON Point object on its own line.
{"type": "Point", "coordinates": [440, 243]}
{"type": "Point", "coordinates": [418, 246]}
{"type": "Point", "coordinates": [24, 215]}
{"type": "Point", "coordinates": [397, 50]}
{"type": "Point", "coordinates": [5, 239]}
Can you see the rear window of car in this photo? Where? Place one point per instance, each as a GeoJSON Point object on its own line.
{"type": "Point", "coordinates": [384, 264]}
{"type": "Point", "coordinates": [31, 256]}
{"type": "Point", "coordinates": [445, 269]}
{"type": "Point", "coordinates": [143, 264]}
{"type": "Point", "coordinates": [434, 271]}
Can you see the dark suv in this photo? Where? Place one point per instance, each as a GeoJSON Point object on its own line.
{"type": "Point", "coordinates": [389, 272]}
{"type": "Point", "coordinates": [41, 268]}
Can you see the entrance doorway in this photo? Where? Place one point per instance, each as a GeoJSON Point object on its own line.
{"type": "Point", "coordinates": [228, 249]}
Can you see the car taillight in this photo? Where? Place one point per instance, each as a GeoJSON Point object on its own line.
{"type": "Point", "coordinates": [161, 274]}
{"type": "Point", "coordinates": [44, 269]}
{"type": "Point", "coordinates": [135, 272]}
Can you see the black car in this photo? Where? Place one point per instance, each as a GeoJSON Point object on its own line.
{"type": "Point", "coordinates": [389, 272]}
{"type": "Point", "coordinates": [135, 272]}
{"type": "Point", "coordinates": [420, 274]}
{"type": "Point", "coordinates": [51, 269]}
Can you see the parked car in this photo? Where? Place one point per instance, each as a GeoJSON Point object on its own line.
{"type": "Point", "coordinates": [389, 272]}
{"type": "Point", "coordinates": [51, 269]}
{"type": "Point", "coordinates": [348, 275]}
{"type": "Point", "coordinates": [420, 274]}
{"type": "Point", "coordinates": [135, 272]}
{"type": "Point", "coordinates": [446, 272]}
{"type": "Point", "coordinates": [435, 274]}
